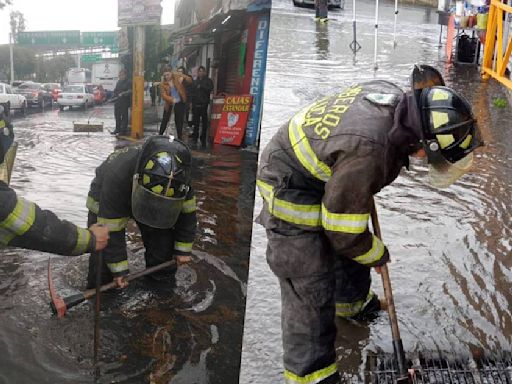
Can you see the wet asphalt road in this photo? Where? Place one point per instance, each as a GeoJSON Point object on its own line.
{"type": "Point", "coordinates": [450, 249]}
{"type": "Point", "coordinates": [150, 332]}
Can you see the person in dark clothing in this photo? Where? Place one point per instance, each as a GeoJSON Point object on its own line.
{"type": "Point", "coordinates": [151, 184]}
{"type": "Point", "coordinates": [175, 97]}
{"type": "Point", "coordinates": [152, 93]}
{"type": "Point", "coordinates": [203, 87]}
{"type": "Point", "coordinates": [24, 224]}
{"type": "Point", "coordinates": [321, 10]}
{"type": "Point", "coordinates": [189, 91]}
{"type": "Point", "coordinates": [123, 92]}
{"type": "Point", "coordinates": [317, 177]}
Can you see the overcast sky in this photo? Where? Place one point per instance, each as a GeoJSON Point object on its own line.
{"type": "Point", "coordinates": [83, 15]}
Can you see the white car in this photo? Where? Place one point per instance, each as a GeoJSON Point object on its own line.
{"type": "Point", "coordinates": [76, 95]}
{"type": "Point", "coordinates": [331, 3]}
{"type": "Point", "coordinates": [10, 100]}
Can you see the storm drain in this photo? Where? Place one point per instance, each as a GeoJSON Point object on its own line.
{"type": "Point", "coordinates": [438, 369]}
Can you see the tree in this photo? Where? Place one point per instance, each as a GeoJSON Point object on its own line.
{"type": "Point", "coordinates": [54, 69]}
{"type": "Point", "coordinates": [3, 3]}
{"type": "Point", "coordinates": [24, 61]}
{"type": "Point", "coordinates": [17, 21]}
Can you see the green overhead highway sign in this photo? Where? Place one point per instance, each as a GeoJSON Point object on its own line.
{"type": "Point", "coordinates": [57, 38]}
{"type": "Point", "coordinates": [91, 58]}
{"type": "Point", "coordinates": [99, 38]}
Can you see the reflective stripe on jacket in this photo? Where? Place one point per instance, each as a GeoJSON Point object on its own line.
{"type": "Point", "coordinates": [321, 168]}
{"type": "Point", "coordinates": [23, 224]}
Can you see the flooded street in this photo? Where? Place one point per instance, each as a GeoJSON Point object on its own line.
{"type": "Point", "coordinates": [451, 269]}
{"type": "Point", "coordinates": [150, 332]}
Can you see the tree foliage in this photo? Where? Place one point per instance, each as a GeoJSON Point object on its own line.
{"type": "Point", "coordinates": [24, 62]}
{"type": "Point", "coordinates": [17, 21]}
{"type": "Point", "coordinates": [3, 3]}
{"type": "Point", "coordinates": [54, 69]}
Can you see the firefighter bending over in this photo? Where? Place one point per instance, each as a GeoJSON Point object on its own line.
{"type": "Point", "coordinates": [151, 184]}
{"type": "Point", "coordinates": [317, 176]}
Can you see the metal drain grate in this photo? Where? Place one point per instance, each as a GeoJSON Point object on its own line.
{"type": "Point", "coordinates": [432, 369]}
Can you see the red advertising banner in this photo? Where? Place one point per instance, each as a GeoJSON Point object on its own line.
{"type": "Point", "coordinates": [233, 120]}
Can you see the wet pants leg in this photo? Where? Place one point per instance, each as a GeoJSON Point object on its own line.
{"type": "Point", "coordinates": [165, 120]}
{"type": "Point", "coordinates": [309, 330]}
{"type": "Point", "coordinates": [179, 116]}
{"type": "Point", "coordinates": [353, 292]}
{"type": "Point", "coordinates": [159, 244]}
{"type": "Point", "coordinates": [304, 265]}
{"type": "Point", "coordinates": [321, 8]}
{"type": "Point", "coordinates": [124, 119]}
{"type": "Point", "coordinates": [117, 115]}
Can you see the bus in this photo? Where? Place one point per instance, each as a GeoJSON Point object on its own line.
{"type": "Point", "coordinates": [78, 76]}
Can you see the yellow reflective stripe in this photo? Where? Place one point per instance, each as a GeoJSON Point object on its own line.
{"type": "Point", "coordinates": [312, 378]}
{"type": "Point", "coordinates": [18, 222]}
{"type": "Point", "coordinates": [352, 309]}
{"type": "Point", "coordinates": [118, 267]}
{"type": "Point", "coordinates": [374, 254]}
{"type": "Point", "coordinates": [82, 241]}
{"type": "Point", "coordinates": [189, 205]}
{"type": "Point", "coordinates": [303, 149]}
{"type": "Point", "coordinates": [344, 222]}
{"type": "Point", "coordinates": [183, 247]}
{"type": "Point", "coordinates": [92, 205]}
{"type": "Point", "coordinates": [303, 214]}
{"type": "Point", "coordinates": [114, 225]}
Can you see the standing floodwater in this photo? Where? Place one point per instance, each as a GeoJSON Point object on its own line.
{"type": "Point", "coordinates": [150, 333]}
{"type": "Point", "coordinates": [451, 269]}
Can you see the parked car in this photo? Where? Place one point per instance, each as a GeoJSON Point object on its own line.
{"type": "Point", "coordinates": [331, 3]}
{"type": "Point", "coordinates": [54, 89]}
{"type": "Point", "coordinates": [100, 95]}
{"type": "Point", "coordinates": [76, 95]}
{"type": "Point", "coordinates": [36, 95]}
{"type": "Point", "coordinates": [16, 84]}
{"type": "Point", "coordinates": [12, 101]}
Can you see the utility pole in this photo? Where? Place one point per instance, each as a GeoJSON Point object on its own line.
{"type": "Point", "coordinates": [138, 82]}
{"type": "Point", "coordinates": [11, 53]}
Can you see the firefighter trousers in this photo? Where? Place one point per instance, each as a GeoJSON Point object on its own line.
{"type": "Point", "coordinates": [315, 286]}
{"type": "Point", "coordinates": [159, 244]}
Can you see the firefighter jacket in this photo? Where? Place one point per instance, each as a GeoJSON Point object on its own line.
{"type": "Point", "coordinates": [23, 224]}
{"type": "Point", "coordinates": [321, 169]}
{"type": "Point", "coordinates": [110, 199]}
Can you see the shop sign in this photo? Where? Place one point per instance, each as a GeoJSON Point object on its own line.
{"type": "Point", "coordinates": [258, 78]}
{"type": "Point", "coordinates": [233, 120]}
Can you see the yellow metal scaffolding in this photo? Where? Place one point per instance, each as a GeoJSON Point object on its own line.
{"type": "Point", "coordinates": [494, 45]}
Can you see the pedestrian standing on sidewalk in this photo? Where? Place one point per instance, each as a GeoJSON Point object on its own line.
{"type": "Point", "coordinates": [203, 87]}
{"type": "Point", "coordinates": [321, 10]}
{"type": "Point", "coordinates": [317, 177]}
{"type": "Point", "coordinates": [123, 92]}
{"type": "Point", "coordinates": [175, 97]}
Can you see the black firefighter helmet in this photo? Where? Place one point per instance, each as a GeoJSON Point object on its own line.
{"type": "Point", "coordinates": [449, 130]}
{"type": "Point", "coordinates": [161, 181]}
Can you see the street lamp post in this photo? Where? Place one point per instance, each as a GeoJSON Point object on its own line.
{"type": "Point", "coordinates": [11, 57]}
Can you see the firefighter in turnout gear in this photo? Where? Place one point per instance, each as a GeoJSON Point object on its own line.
{"type": "Point", "coordinates": [24, 224]}
{"type": "Point", "coordinates": [317, 176]}
{"type": "Point", "coordinates": [152, 185]}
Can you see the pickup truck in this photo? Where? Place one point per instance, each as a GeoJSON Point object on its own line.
{"type": "Point", "coordinates": [11, 101]}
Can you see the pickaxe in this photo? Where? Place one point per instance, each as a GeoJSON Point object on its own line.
{"type": "Point", "coordinates": [61, 305]}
